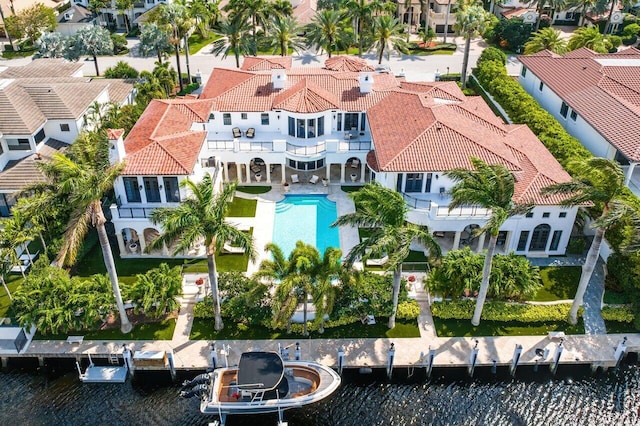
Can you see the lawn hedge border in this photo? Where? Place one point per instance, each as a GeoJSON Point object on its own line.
{"type": "Point", "coordinates": [462, 309]}
{"type": "Point", "coordinates": [622, 313]}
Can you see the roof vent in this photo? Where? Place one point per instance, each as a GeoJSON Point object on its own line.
{"type": "Point", "coordinates": [68, 14]}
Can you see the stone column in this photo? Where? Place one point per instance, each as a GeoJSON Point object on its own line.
{"type": "Point", "coordinates": [629, 173]}
{"type": "Point", "coordinates": [363, 169]}
{"type": "Point", "coordinates": [456, 241]}
{"type": "Point", "coordinates": [225, 172]}
{"type": "Point", "coordinates": [329, 172]}
{"type": "Point", "coordinates": [267, 167]}
{"type": "Point", "coordinates": [120, 242]}
{"type": "Point", "coordinates": [239, 172]}
{"type": "Point", "coordinates": [284, 174]}
{"type": "Point", "coordinates": [247, 167]}
{"type": "Point", "coordinates": [342, 172]}
{"type": "Point", "coordinates": [141, 241]}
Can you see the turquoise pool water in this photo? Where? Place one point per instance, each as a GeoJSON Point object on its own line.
{"type": "Point", "coordinates": [306, 218]}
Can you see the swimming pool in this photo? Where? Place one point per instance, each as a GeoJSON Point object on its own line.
{"type": "Point", "coordinates": [306, 218]}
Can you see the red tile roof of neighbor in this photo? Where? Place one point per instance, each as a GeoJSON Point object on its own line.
{"type": "Point", "coordinates": [347, 63]}
{"type": "Point", "coordinates": [604, 89]}
{"type": "Point", "coordinates": [162, 142]}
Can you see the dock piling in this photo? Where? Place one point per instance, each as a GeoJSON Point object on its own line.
{"type": "Point", "coordinates": [556, 358]}
{"type": "Point", "coordinates": [516, 358]}
{"type": "Point", "coordinates": [172, 366]}
{"type": "Point", "coordinates": [128, 360]}
{"type": "Point", "coordinates": [214, 355]}
{"type": "Point", "coordinates": [621, 349]}
{"type": "Point", "coordinates": [392, 353]}
{"type": "Point", "coordinates": [340, 360]}
{"type": "Point", "coordinates": [430, 357]}
{"type": "Point", "coordinates": [473, 358]}
{"type": "Point", "coordinates": [297, 353]}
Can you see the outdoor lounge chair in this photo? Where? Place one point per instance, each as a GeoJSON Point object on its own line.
{"type": "Point", "coordinates": [295, 179]}
{"type": "Point", "coordinates": [236, 132]}
{"type": "Point", "coordinates": [251, 132]}
{"type": "Point", "coordinates": [355, 163]}
{"type": "Point", "coordinates": [314, 179]}
{"type": "Point", "coordinates": [228, 248]}
{"type": "Point", "coordinates": [377, 262]}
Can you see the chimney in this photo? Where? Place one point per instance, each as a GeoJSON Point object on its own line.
{"type": "Point", "coordinates": [366, 82]}
{"type": "Point", "coordinates": [278, 78]}
{"type": "Point", "coordinates": [117, 152]}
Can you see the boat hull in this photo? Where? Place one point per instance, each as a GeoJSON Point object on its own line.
{"type": "Point", "coordinates": [212, 403]}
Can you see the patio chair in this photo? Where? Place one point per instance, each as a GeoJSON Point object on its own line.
{"type": "Point", "coordinates": [295, 179]}
{"type": "Point", "coordinates": [229, 249]}
{"type": "Point", "coordinates": [355, 163]}
{"type": "Point", "coordinates": [236, 132]}
{"type": "Point", "coordinates": [314, 179]}
{"type": "Point", "coordinates": [251, 132]}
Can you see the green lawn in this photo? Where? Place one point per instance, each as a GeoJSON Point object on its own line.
{"type": "Point", "coordinates": [254, 189]}
{"type": "Point", "coordinates": [203, 330]}
{"type": "Point", "coordinates": [615, 298]}
{"type": "Point", "coordinates": [241, 207]}
{"type": "Point", "coordinates": [463, 328]}
{"type": "Point", "coordinates": [418, 52]}
{"type": "Point", "coordinates": [558, 283]}
{"type": "Point", "coordinates": [162, 330]}
{"type": "Point", "coordinates": [13, 282]}
{"type": "Point", "coordinates": [350, 188]}
{"type": "Point", "coordinates": [196, 42]}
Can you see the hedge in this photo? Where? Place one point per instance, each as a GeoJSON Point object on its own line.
{"type": "Point", "coordinates": [501, 311]}
{"type": "Point", "coordinates": [618, 313]}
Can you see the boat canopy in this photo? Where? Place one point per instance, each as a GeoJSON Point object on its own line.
{"type": "Point", "coordinates": [260, 371]}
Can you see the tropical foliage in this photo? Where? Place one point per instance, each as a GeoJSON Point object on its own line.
{"type": "Point", "coordinates": [384, 211]}
{"type": "Point", "coordinates": [460, 272]}
{"type": "Point", "coordinates": [121, 70]}
{"type": "Point", "coordinates": [234, 40]}
{"type": "Point", "coordinates": [201, 217]}
{"type": "Point", "coordinates": [31, 22]}
{"type": "Point", "coordinates": [282, 35]}
{"type": "Point", "coordinates": [93, 41]}
{"type": "Point", "coordinates": [387, 35]}
{"type": "Point", "coordinates": [591, 38]}
{"type": "Point", "coordinates": [156, 292]}
{"type": "Point", "coordinates": [546, 38]}
{"type": "Point", "coordinates": [490, 186]}
{"type": "Point", "coordinates": [154, 39]}
{"type": "Point", "coordinates": [471, 21]}
{"type": "Point", "coordinates": [327, 31]}
{"type": "Point", "coordinates": [501, 311]}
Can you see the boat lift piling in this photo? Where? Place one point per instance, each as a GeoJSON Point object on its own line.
{"type": "Point", "coordinates": [392, 353]}
{"type": "Point", "coordinates": [128, 360]}
{"type": "Point", "coordinates": [516, 358]}
{"type": "Point", "coordinates": [430, 358]}
{"type": "Point", "coordinates": [225, 353]}
{"type": "Point", "coordinates": [621, 349]}
{"type": "Point", "coordinates": [556, 358]}
{"type": "Point", "coordinates": [340, 360]}
{"type": "Point", "coordinates": [172, 366]}
{"type": "Point", "coordinates": [298, 354]}
{"type": "Point", "coordinates": [214, 355]}
{"type": "Point", "coordinates": [473, 358]}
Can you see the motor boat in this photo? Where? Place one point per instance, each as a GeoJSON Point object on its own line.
{"type": "Point", "coordinates": [264, 383]}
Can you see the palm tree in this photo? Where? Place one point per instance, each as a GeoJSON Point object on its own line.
{"type": "Point", "coordinates": [589, 37]}
{"type": "Point", "coordinates": [545, 39]}
{"type": "Point", "coordinates": [387, 33]}
{"type": "Point", "coordinates": [255, 10]}
{"type": "Point", "coordinates": [234, 40]}
{"type": "Point", "coordinates": [17, 231]}
{"type": "Point", "coordinates": [586, 6]}
{"type": "Point", "coordinates": [407, 10]}
{"type": "Point", "coordinates": [471, 21]}
{"type": "Point", "coordinates": [384, 211]}
{"type": "Point", "coordinates": [154, 38]}
{"type": "Point", "coordinates": [540, 6]}
{"type": "Point", "coordinates": [303, 274]}
{"type": "Point", "coordinates": [85, 179]}
{"type": "Point", "coordinates": [282, 34]}
{"type": "Point", "coordinates": [362, 13]}
{"type": "Point", "coordinates": [624, 3]}
{"type": "Point", "coordinates": [5, 267]}
{"type": "Point", "coordinates": [327, 30]}
{"type": "Point", "coordinates": [282, 7]}
{"type": "Point", "coordinates": [492, 187]}
{"type": "Point", "coordinates": [156, 292]}
{"type": "Point", "coordinates": [599, 182]}
{"type": "Point", "coordinates": [201, 216]}
{"type": "Point", "coordinates": [177, 20]}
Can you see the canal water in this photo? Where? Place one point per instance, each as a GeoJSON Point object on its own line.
{"type": "Point", "coordinates": [574, 397]}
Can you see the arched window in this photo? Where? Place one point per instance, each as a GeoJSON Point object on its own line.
{"type": "Point", "coordinates": [539, 238]}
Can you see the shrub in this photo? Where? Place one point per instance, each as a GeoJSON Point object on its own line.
{"type": "Point", "coordinates": [618, 313]}
{"type": "Point", "coordinates": [204, 309]}
{"type": "Point", "coordinates": [577, 245]}
{"type": "Point", "coordinates": [408, 310]}
{"type": "Point", "coordinates": [501, 311]}
{"type": "Point", "coordinates": [492, 54]}
{"type": "Point", "coordinates": [121, 70]}
{"type": "Point", "coordinates": [630, 41]}
{"type": "Point", "coordinates": [367, 293]}
{"type": "Point", "coordinates": [119, 43]}
{"type": "Point", "coordinates": [631, 30]}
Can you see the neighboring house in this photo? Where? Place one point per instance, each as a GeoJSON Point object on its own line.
{"type": "Point", "coordinates": [346, 124]}
{"type": "Point", "coordinates": [73, 19]}
{"type": "Point", "coordinates": [437, 18]}
{"type": "Point", "coordinates": [569, 15]}
{"type": "Point", "coordinates": [579, 87]}
{"type": "Point", "coordinates": [43, 107]}
{"type": "Point", "coordinates": [13, 7]}
{"type": "Point", "coordinates": [111, 17]}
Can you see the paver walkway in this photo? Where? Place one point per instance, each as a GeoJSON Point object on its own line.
{"type": "Point", "coordinates": [592, 301]}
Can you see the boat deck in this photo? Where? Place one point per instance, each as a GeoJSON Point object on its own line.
{"type": "Point", "coordinates": [110, 374]}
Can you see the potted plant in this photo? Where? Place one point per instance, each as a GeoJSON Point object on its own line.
{"type": "Point", "coordinates": [325, 182]}
{"type": "Point", "coordinates": [258, 177]}
{"type": "Point", "coordinates": [200, 281]}
{"type": "Point", "coordinates": [286, 186]}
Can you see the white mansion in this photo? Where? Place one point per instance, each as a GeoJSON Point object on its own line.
{"type": "Point", "coordinates": [344, 123]}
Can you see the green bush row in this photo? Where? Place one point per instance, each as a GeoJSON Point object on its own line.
{"type": "Point", "coordinates": [501, 311]}
{"type": "Point", "coordinates": [618, 313]}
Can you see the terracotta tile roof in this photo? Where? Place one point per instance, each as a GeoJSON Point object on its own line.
{"type": "Point", "coordinates": [413, 135]}
{"type": "Point", "coordinates": [304, 10]}
{"type": "Point", "coordinates": [305, 96]}
{"type": "Point", "coordinates": [114, 134]}
{"type": "Point", "coordinates": [591, 83]}
{"type": "Point", "coordinates": [347, 63]}
{"type": "Point", "coordinates": [516, 12]}
{"type": "Point", "coordinates": [162, 142]}
{"type": "Point", "coordinates": [236, 90]}
{"type": "Point", "coordinates": [19, 173]}
{"type": "Point", "coordinates": [264, 63]}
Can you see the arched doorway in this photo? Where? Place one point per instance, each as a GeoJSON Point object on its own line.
{"type": "Point", "coordinates": [131, 241]}
{"type": "Point", "coordinates": [539, 238]}
{"type": "Point", "coordinates": [150, 234]}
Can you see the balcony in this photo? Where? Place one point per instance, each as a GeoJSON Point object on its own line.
{"type": "Point", "coordinates": [436, 206]}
